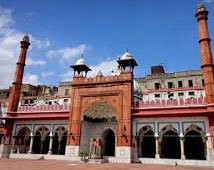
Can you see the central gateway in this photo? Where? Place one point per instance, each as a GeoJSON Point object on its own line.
{"type": "Point", "coordinates": [100, 117]}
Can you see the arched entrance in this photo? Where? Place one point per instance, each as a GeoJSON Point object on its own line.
{"type": "Point", "coordinates": [22, 140]}
{"type": "Point", "coordinates": [41, 141]}
{"type": "Point", "coordinates": [146, 143]}
{"type": "Point", "coordinates": [170, 144]}
{"type": "Point", "coordinates": [98, 115]}
{"type": "Point", "coordinates": [59, 141]}
{"type": "Point", "coordinates": [108, 143]}
{"type": "Point", "coordinates": [194, 144]}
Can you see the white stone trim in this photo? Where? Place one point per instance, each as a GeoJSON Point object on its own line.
{"type": "Point", "coordinates": [72, 151]}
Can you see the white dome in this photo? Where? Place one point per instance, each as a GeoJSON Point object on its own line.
{"type": "Point", "coordinates": [126, 56]}
{"type": "Point", "coordinates": [80, 61]}
{"type": "Point", "coordinates": [137, 87]}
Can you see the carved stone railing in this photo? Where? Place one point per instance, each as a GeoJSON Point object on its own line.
{"type": "Point", "coordinates": [44, 108]}
{"type": "Point", "coordinates": [170, 103]}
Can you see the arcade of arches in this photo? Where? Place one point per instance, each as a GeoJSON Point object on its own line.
{"type": "Point", "coordinates": [169, 144]}
{"type": "Point", "coordinates": [42, 142]}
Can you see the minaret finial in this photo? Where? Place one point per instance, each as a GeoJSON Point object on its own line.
{"type": "Point", "coordinates": [127, 49]}
{"type": "Point", "coordinates": [26, 37]}
{"type": "Point", "coordinates": [82, 56]}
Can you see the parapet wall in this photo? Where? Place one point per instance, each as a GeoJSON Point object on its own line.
{"type": "Point", "coordinates": [43, 108]}
{"type": "Point", "coordinates": [170, 103]}
{"type": "Point", "coordinates": [127, 76]}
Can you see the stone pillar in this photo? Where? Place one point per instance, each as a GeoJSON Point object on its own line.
{"type": "Point", "coordinates": [157, 155]}
{"type": "Point", "coordinates": [182, 146]}
{"type": "Point", "coordinates": [51, 144]}
{"type": "Point", "coordinates": [208, 146]}
{"type": "Point", "coordinates": [31, 143]}
{"type": "Point", "coordinates": [13, 150]}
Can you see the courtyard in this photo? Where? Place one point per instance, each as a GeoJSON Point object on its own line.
{"type": "Point", "coordinates": [26, 164]}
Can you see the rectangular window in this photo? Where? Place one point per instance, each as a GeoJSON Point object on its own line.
{"type": "Point", "coordinates": [190, 83]}
{"type": "Point", "coordinates": [65, 100]}
{"type": "Point", "coordinates": [180, 84]}
{"type": "Point", "coordinates": [203, 82]}
{"type": "Point", "coordinates": [191, 93]}
{"type": "Point", "coordinates": [157, 95]}
{"type": "Point", "coordinates": [170, 95]}
{"type": "Point", "coordinates": [170, 85]}
{"type": "Point", "coordinates": [66, 92]}
{"type": "Point", "coordinates": [157, 86]}
{"type": "Point", "coordinates": [180, 94]}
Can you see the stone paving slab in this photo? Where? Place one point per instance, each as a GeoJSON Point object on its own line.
{"type": "Point", "coordinates": [26, 164]}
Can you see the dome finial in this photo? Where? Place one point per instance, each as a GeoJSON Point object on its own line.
{"type": "Point", "coordinates": [82, 56]}
{"type": "Point", "coordinates": [201, 7]}
{"type": "Point", "coordinates": [26, 37]}
{"type": "Point", "coordinates": [127, 49]}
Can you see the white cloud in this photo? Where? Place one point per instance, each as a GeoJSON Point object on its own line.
{"type": "Point", "coordinates": [67, 52]}
{"type": "Point", "coordinates": [67, 76]}
{"type": "Point", "coordinates": [31, 79]}
{"type": "Point", "coordinates": [9, 47]}
{"type": "Point", "coordinates": [47, 74]}
{"type": "Point", "coordinates": [40, 43]}
{"type": "Point", "coordinates": [106, 67]}
{"type": "Point", "coordinates": [31, 62]}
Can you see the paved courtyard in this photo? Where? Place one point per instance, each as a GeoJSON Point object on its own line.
{"type": "Point", "coordinates": [23, 164]}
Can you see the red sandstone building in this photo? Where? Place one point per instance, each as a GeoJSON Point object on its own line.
{"type": "Point", "coordinates": [105, 122]}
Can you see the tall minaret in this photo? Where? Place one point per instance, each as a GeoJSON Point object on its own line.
{"type": "Point", "coordinates": [16, 88]}
{"type": "Point", "coordinates": [206, 53]}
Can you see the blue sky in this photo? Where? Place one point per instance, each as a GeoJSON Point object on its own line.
{"type": "Point", "coordinates": [156, 32]}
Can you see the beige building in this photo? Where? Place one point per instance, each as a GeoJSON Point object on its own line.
{"type": "Point", "coordinates": [162, 85]}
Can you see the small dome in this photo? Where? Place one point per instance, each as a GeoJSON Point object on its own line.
{"type": "Point", "coordinates": [99, 74]}
{"type": "Point", "coordinates": [201, 7]}
{"type": "Point", "coordinates": [137, 87]}
{"type": "Point", "coordinates": [126, 56]}
{"type": "Point", "coordinates": [80, 61]}
{"type": "Point", "coordinates": [26, 38]}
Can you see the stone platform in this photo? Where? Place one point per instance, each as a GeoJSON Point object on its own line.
{"type": "Point", "coordinates": [201, 163]}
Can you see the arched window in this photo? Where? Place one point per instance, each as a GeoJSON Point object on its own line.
{"type": "Point", "coordinates": [170, 143]}
{"type": "Point", "coordinates": [146, 142]}
{"type": "Point", "coordinates": [22, 140]}
{"type": "Point", "coordinates": [194, 143]}
{"type": "Point", "coordinates": [41, 140]}
{"type": "Point", "coordinates": [59, 141]}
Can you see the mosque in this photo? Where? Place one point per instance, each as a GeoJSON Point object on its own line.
{"type": "Point", "coordinates": [118, 118]}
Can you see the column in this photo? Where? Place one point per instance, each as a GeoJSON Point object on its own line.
{"type": "Point", "coordinates": [50, 144]}
{"type": "Point", "coordinates": [182, 146]}
{"type": "Point", "coordinates": [157, 155]}
{"type": "Point", "coordinates": [31, 143]}
{"type": "Point", "coordinates": [208, 146]}
{"type": "Point", "coordinates": [13, 150]}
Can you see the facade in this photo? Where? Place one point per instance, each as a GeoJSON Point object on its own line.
{"type": "Point", "coordinates": [185, 84]}
{"type": "Point", "coordinates": [159, 118]}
